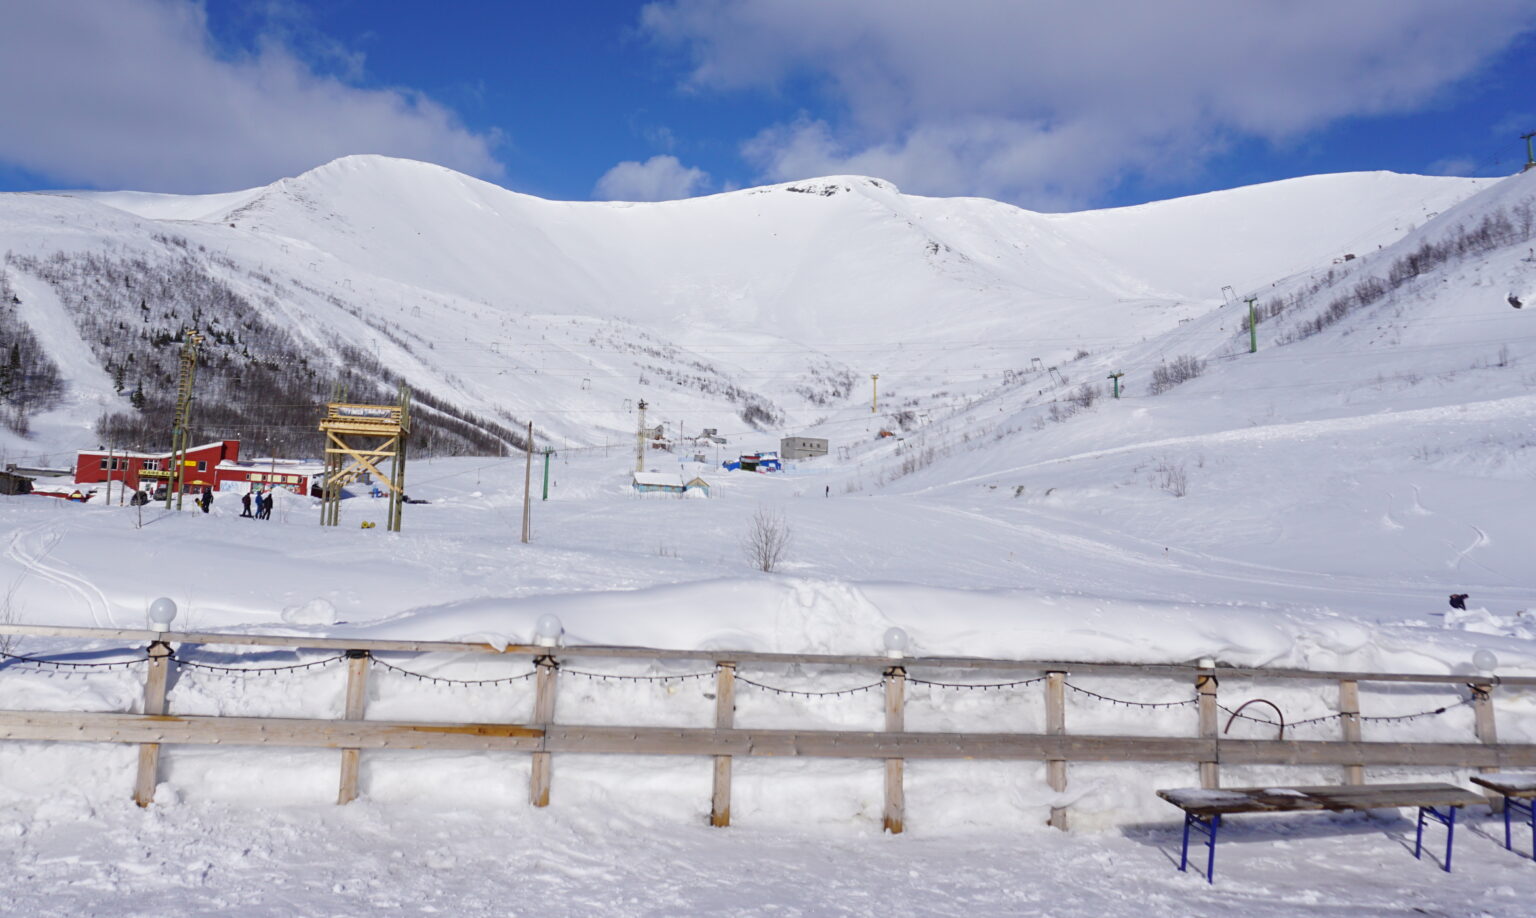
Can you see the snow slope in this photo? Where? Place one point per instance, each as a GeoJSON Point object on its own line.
{"type": "Point", "coordinates": [1310, 504]}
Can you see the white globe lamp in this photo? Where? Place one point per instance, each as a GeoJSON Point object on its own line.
{"type": "Point", "coordinates": [547, 632]}
{"type": "Point", "coordinates": [161, 613]}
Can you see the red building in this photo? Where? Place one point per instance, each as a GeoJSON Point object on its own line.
{"type": "Point", "coordinates": [268, 474]}
{"type": "Point", "coordinates": [130, 468]}
{"type": "Point", "coordinates": [216, 465]}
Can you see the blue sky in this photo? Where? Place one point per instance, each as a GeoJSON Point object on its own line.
{"type": "Point", "coordinates": [1050, 105]}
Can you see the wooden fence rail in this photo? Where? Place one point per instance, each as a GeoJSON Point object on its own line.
{"type": "Point", "coordinates": [543, 738]}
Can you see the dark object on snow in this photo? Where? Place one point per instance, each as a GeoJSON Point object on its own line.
{"type": "Point", "coordinates": [1459, 601]}
{"type": "Point", "coordinates": [1515, 301]}
{"type": "Point", "coordinates": [12, 483]}
{"type": "Point", "coordinates": [206, 500]}
{"type": "Point", "coordinates": [139, 499]}
{"type": "Point", "coordinates": [245, 504]}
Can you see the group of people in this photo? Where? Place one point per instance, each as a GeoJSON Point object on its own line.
{"type": "Point", "coordinates": [262, 502]}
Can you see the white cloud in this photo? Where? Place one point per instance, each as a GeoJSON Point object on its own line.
{"type": "Point", "coordinates": [132, 93]}
{"type": "Point", "coordinates": [1455, 165]}
{"type": "Point", "coordinates": [1024, 100]}
{"type": "Point", "coordinates": [660, 178]}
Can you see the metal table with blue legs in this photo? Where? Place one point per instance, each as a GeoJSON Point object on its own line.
{"type": "Point", "coordinates": [1203, 808]}
{"type": "Point", "coordinates": [1518, 792]}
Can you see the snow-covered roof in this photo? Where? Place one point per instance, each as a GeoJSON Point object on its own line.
{"type": "Point", "coordinates": [659, 479]}
{"type": "Point", "coordinates": [290, 466]}
{"type": "Point", "coordinates": [131, 454]}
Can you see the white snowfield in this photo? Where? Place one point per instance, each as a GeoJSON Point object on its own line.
{"type": "Point", "coordinates": [1310, 505]}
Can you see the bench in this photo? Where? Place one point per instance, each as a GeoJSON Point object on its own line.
{"type": "Point", "coordinates": [1203, 808]}
{"type": "Point", "coordinates": [1518, 791]}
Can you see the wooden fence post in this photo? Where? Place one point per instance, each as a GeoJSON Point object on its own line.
{"type": "Point", "coordinates": [1205, 685]}
{"type": "Point", "coordinates": [543, 716]}
{"type": "Point", "coordinates": [1056, 725]}
{"type": "Point", "coordinates": [1487, 734]}
{"type": "Point", "coordinates": [154, 704]}
{"type": "Point", "coordinates": [895, 722]}
{"type": "Point", "coordinates": [1349, 717]}
{"type": "Point", "coordinates": [725, 718]}
{"type": "Point", "coordinates": [357, 699]}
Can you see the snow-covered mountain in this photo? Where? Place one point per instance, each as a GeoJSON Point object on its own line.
{"type": "Point", "coordinates": [764, 308]}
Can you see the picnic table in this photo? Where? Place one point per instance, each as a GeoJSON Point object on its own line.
{"type": "Point", "coordinates": [1204, 807]}
{"type": "Point", "coordinates": [1518, 791]}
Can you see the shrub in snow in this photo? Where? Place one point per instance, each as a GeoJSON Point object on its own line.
{"type": "Point", "coordinates": [767, 539]}
{"type": "Point", "coordinates": [1182, 369]}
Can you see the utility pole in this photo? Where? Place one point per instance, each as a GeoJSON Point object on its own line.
{"type": "Point", "coordinates": [640, 439]}
{"type": "Point", "coordinates": [547, 451]}
{"type": "Point", "coordinates": [1253, 325]}
{"type": "Point", "coordinates": [1115, 377]}
{"type": "Point", "coordinates": [874, 393]}
{"type": "Point", "coordinates": [111, 467]}
{"type": "Point", "coordinates": [1530, 157]}
{"type": "Point", "coordinates": [528, 487]}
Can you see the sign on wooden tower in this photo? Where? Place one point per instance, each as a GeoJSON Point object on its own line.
{"type": "Point", "coordinates": [358, 439]}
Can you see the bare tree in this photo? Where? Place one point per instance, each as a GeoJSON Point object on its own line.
{"type": "Point", "coordinates": [767, 539]}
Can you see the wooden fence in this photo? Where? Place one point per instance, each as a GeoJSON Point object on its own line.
{"type": "Point", "coordinates": [543, 738]}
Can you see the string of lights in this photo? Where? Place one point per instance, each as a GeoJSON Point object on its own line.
{"type": "Point", "coordinates": [982, 686]}
{"type": "Point", "coordinates": [1121, 702]}
{"type": "Point", "coordinates": [610, 677]}
{"type": "Point", "coordinates": [66, 665]}
{"type": "Point", "coordinates": [1364, 718]}
{"type": "Point", "coordinates": [802, 694]}
{"type": "Point", "coordinates": [257, 670]}
{"type": "Point", "coordinates": [444, 680]}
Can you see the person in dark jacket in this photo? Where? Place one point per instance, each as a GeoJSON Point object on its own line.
{"type": "Point", "coordinates": [266, 506]}
{"type": "Point", "coordinates": [206, 500]}
{"type": "Point", "coordinates": [245, 504]}
{"type": "Point", "coordinates": [1459, 601]}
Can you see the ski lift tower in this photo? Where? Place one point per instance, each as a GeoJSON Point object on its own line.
{"type": "Point", "coordinates": [181, 425]}
{"type": "Point", "coordinates": [358, 439]}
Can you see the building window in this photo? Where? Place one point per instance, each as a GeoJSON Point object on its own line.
{"type": "Point", "coordinates": [202, 465]}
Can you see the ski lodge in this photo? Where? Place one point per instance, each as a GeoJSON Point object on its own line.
{"type": "Point", "coordinates": [132, 468]}
{"type": "Point", "coordinates": [216, 465]}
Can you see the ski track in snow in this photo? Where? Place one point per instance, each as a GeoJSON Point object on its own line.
{"type": "Point", "coordinates": [48, 536]}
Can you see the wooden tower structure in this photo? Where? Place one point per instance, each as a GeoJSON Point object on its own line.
{"type": "Point", "coordinates": [181, 424]}
{"type": "Point", "coordinates": [358, 439]}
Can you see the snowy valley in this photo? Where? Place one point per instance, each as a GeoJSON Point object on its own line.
{"type": "Point", "coordinates": [1089, 459]}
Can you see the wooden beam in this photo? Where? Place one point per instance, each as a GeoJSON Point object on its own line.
{"type": "Point", "coordinates": [358, 665]}
{"type": "Point", "coordinates": [725, 719]}
{"type": "Point", "coordinates": [341, 734]}
{"type": "Point", "coordinates": [1349, 711]}
{"type": "Point", "coordinates": [1205, 688]}
{"type": "Point", "coordinates": [543, 715]}
{"type": "Point", "coordinates": [1179, 671]}
{"type": "Point", "coordinates": [155, 681]}
{"type": "Point", "coordinates": [1056, 725]}
{"type": "Point", "coordinates": [894, 817]}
